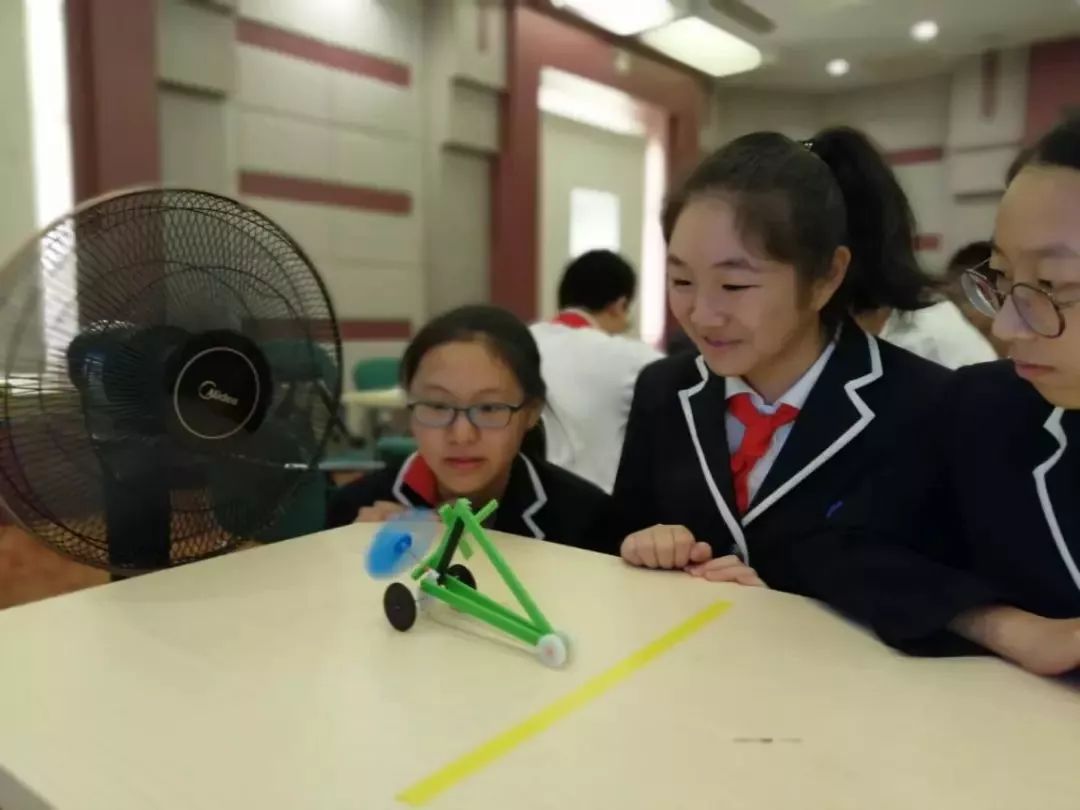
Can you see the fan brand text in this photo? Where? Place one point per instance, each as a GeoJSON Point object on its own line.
{"type": "Point", "coordinates": [209, 390]}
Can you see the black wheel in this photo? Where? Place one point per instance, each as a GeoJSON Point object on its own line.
{"type": "Point", "coordinates": [462, 575]}
{"type": "Point", "coordinates": [400, 607]}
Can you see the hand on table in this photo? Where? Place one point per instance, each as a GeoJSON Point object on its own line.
{"type": "Point", "coordinates": [1050, 646]}
{"type": "Point", "coordinates": [668, 547]}
{"type": "Point", "coordinates": [727, 569]}
{"type": "Point", "coordinates": [1038, 644]}
{"type": "Point", "coordinates": [379, 512]}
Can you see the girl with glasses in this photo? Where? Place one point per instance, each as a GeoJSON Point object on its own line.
{"type": "Point", "coordinates": [977, 537]}
{"type": "Point", "coordinates": [475, 399]}
{"type": "Point", "coordinates": [737, 450]}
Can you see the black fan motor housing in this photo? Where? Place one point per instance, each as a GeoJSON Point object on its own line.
{"type": "Point", "coordinates": [159, 380]}
{"type": "Point", "coordinates": [219, 386]}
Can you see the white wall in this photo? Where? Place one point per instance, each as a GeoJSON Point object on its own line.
{"type": "Point", "coordinates": [16, 145]}
{"type": "Point", "coordinates": [575, 155]}
{"type": "Point", "coordinates": [465, 70]}
{"type": "Point", "coordinates": [948, 155]}
{"type": "Point", "coordinates": [228, 107]}
{"type": "Point", "coordinates": [737, 111]}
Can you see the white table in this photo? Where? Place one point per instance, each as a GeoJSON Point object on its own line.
{"type": "Point", "coordinates": [362, 408]}
{"type": "Point", "coordinates": [270, 679]}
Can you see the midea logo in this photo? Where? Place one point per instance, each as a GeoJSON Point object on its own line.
{"type": "Point", "coordinates": [208, 390]}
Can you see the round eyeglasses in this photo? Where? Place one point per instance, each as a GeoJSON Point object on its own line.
{"type": "Point", "coordinates": [988, 290]}
{"type": "Point", "coordinates": [485, 416]}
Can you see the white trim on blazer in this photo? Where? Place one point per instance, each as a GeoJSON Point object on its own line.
{"type": "Point", "coordinates": [1054, 428]}
{"type": "Point", "coordinates": [866, 416]}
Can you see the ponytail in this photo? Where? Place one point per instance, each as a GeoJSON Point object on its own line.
{"type": "Point", "coordinates": [880, 226]}
{"type": "Point", "coordinates": [798, 202]}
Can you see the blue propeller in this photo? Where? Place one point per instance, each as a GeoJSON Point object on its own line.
{"type": "Point", "coordinates": [401, 542]}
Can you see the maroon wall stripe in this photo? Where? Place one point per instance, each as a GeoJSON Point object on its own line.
{"type": "Point", "coordinates": [290, 43]}
{"type": "Point", "coordinates": [360, 329]}
{"type": "Point", "coordinates": [928, 241]}
{"type": "Point", "coordinates": [1053, 86]}
{"type": "Point", "coordinates": [919, 154]}
{"type": "Point", "coordinates": [112, 75]}
{"type": "Point", "coordinates": [301, 189]}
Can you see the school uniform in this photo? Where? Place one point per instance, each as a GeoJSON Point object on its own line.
{"type": "Point", "coordinates": [541, 500]}
{"type": "Point", "coordinates": [852, 409]}
{"type": "Point", "coordinates": [590, 377]}
{"type": "Point", "coordinates": [983, 510]}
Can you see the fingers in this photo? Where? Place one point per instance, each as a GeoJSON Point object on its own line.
{"type": "Point", "coordinates": [728, 569]}
{"type": "Point", "coordinates": [647, 548]}
{"type": "Point", "coordinates": [719, 564]}
{"type": "Point", "coordinates": [664, 547]}
{"type": "Point", "coordinates": [629, 550]}
{"type": "Point", "coordinates": [682, 543]}
{"type": "Point", "coordinates": [700, 552]}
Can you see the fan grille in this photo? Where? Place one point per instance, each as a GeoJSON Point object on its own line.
{"type": "Point", "coordinates": [139, 263]}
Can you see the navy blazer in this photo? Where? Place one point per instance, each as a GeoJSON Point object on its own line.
{"type": "Point", "coordinates": [676, 466]}
{"type": "Point", "coordinates": [541, 500]}
{"type": "Point", "coordinates": [983, 509]}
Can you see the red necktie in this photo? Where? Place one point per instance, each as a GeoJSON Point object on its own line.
{"type": "Point", "coordinates": [760, 428]}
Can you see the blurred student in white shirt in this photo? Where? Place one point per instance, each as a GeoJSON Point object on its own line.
{"type": "Point", "coordinates": [590, 367]}
{"type": "Point", "coordinates": [939, 331]}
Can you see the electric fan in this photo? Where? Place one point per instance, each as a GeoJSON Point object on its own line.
{"type": "Point", "coordinates": [172, 371]}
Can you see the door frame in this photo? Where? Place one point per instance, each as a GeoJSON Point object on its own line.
{"type": "Point", "coordinates": [537, 40]}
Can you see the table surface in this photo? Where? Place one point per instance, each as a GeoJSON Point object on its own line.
{"type": "Point", "coordinates": [270, 679]}
{"type": "Point", "coordinates": [377, 398]}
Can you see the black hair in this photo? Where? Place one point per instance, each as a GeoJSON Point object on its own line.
{"type": "Point", "coordinates": [1058, 147]}
{"type": "Point", "coordinates": [800, 201]}
{"type": "Point", "coordinates": [505, 335]}
{"type": "Point", "coordinates": [595, 280]}
{"type": "Point", "coordinates": [970, 255]}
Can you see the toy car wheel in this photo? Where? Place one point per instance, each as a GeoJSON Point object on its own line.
{"type": "Point", "coordinates": [552, 650]}
{"type": "Point", "coordinates": [462, 575]}
{"type": "Point", "coordinates": [400, 606]}
{"type": "Point", "coordinates": [566, 641]}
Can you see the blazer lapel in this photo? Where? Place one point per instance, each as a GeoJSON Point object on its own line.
{"type": "Point", "coordinates": [704, 406]}
{"type": "Point", "coordinates": [524, 498]}
{"type": "Point", "coordinates": [1054, 426]}
{"type": "Point", "coordinates": [834, 415]}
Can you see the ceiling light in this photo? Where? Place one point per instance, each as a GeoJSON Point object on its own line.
{"type": "Point", "coordinates": [702, 45]}
{"type": "Point", "coordinates": [924, 31]}
{"type": "Point", "coordinates": [622, 17]}
{"type": "Point", "coordinates": [838, 67]}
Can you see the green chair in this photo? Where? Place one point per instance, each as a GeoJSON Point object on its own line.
{"type": "Point", "coordinates": [376, 373]}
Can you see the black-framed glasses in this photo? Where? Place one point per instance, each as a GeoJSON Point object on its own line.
{"type": "Point", "coordinates": [988, 290]}
{"type": "Point", "coordinates": [485, 415]}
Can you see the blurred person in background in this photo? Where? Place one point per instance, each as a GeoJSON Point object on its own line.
{"type": "Point", "coordinates": [942, 330]}
{"type": "Point", "coordinates": [590, 365]}
{"type": "Point", "coordinates": [971, 256]}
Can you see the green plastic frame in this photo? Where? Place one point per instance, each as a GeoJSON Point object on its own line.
{"type": "Point", "coordinates": [447, 588]}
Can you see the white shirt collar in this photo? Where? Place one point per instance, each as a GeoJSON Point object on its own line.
{"type": "Point", "coordinates": [795, 396]}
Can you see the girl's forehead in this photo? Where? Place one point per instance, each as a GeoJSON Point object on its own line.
{"type": "Point", "coordinates": [465, 367]}
{"type": "Point", "coordinates": [1039, 212]}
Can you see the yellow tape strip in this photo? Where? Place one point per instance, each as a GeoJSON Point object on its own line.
{"type": "Point", "coordinates": [462, 768]}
